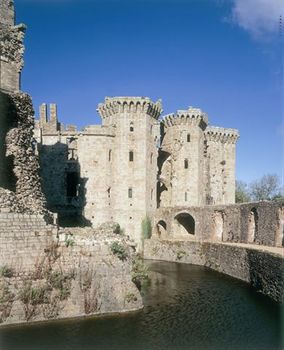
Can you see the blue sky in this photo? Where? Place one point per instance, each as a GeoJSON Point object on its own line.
{"type": "Point", "coordinates": [223, 56]}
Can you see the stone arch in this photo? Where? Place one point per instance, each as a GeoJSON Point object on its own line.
{"type": "Point", "coordinates": [185, 224]}
{"type": "Point", "coordinates": [161, 228]}
{"type": "Point", "coordinates": [218, 224]}
{"type": "Point", "coordinates": [252, 225]}
{"type": "Point", "coordinates": [279, 238]}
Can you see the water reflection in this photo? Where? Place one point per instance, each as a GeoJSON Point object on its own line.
{"type": "Point", "coordinates": [186, 307]}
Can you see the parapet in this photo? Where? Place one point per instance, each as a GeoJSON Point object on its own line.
{"type": "Point", "coordinates": [117, 105]}
{"type": "Point", "coordinates": [192, 116]}
{"type": "Point", "coordinates": [223, 135]}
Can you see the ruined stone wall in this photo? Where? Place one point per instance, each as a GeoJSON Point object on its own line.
{"type": "Point", "coordinates": [7, 13]}
{"type": "Point", "coordinates": [43, 277]}
{"type": "Point", "coordinates": [263, 270]}
{"type": "Point", "coordinates": [18, 154]}
{"type": "Point", "coordinates": [229, 223]}
{"type": "Point", "coordinates": [23, 238]}
{"type": "Point", "coordinates": [11, 48]}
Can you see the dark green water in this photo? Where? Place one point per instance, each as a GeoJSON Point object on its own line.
{"type": "Point", "coordinates": [186, 307]}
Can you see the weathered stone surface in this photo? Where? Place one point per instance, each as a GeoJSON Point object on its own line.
{"type": "Point", "coordinates": [17, 143]}
{"type": "Point", "coordinates": [45, 274]}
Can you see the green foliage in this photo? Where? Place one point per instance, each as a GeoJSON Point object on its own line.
{"type": "Point", "coordinates": [6, 271]}
{"type": "Point", "coordinates": [146, 228]}
{"type": "Point", "coordinates": [242, 192]}
{"type": "Point", "coordinates": [266, 188]}
{"type": "Point", "coordinates": [69, 242]}
{"type": "Point", "coordinates": [32, 295]}
{"type": "Point", "coordinates": [119, 250]}
{"type": "Point", "coordinates": [180, 254]}
{"type": "Point", "coordinates": [62, 282]}
{"type": "Point", "coordinates": [139, 272]}
{"type": "Point", "coordinates": [130, 297]}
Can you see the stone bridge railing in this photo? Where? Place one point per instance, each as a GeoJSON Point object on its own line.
{"type": "Point", "coordinates": [256, 223]}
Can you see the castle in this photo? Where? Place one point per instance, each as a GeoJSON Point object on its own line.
{"type": "Point", "coordinates": [135, 162]}
{"type": "Point", "coordinates": [176, 173]}
{"type": "Point", "coordinates": [132, 164]}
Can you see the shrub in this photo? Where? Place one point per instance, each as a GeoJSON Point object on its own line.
{"type": "Point", "coordinates": [6, 271]}
{"type": "Point", "coordinates": [146, 228]}
{"type": "Point", "coordinates": [130, 297]}
{"type": "Point", "coordinates": [139, 272]}
{"type": "Point", "coordinates": [180, 254]}
{"type": "Point", "coordinates": [69, 242]}
{"type": "Point", "coordinates": [119, 250]}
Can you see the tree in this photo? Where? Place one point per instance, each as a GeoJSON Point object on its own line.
{"type": "Point", "coordinates": [266, 188]}
{"type": "Point", "coordinates": [242, 192]}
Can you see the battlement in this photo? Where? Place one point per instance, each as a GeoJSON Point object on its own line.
{"type": "Point", "coordinates": [116, 105]}
{"type": "Point", "coordinates": [192, 116]}
{"type": "Point", "coordinates": [223, 135]}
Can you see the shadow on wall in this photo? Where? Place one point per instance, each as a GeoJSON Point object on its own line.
{"type": "Point", "coordinates": [62, 185]}
{"type": "Point", "coordinates": [8, 121]}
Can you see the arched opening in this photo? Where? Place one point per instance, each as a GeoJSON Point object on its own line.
{"type": "Point", "coordinates": [252, 225]}
{"type": "Point", "coordinates": [161, 228]}
{"type": "Point", "coordinates": [218, 226]}
{"type": "Point", "coordinates": [185, 224]}
{"type": "Point", "coordinates": [279, 239]}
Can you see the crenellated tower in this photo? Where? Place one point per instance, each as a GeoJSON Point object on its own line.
{"type": "Point", "coordinates": [133, 158]}
{"type": "Point", "coordinates": [181, 164]}
{"type": "Point", "coordinates": [11, 48]}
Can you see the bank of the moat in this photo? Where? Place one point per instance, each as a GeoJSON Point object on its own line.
{"type": "Point", "coordinates": [186, 307]}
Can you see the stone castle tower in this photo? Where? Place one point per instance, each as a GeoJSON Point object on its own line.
{"type": "Point", "coordinates": [11, 48]}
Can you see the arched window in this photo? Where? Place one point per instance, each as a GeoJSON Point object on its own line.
{"type": "Point", "coordinates": [186, 164]}
{"type": "Point", "coordinates": [108, 192]}
{"type": "Point", "coordinates": [131, 128]}
{"type": "Point", "coordinates": [151, 158]}
{"type": "Point", "coordinates": [151, 129]}
{"type": "Point", "coordinates": [188, 138]}
{"type": "Point", "coordinates": [131, 156]}
{"type": "Point", "coordinates": [109, 155]}
{"type": "Point", "coordinates": [185, 196]}
{"type": "Point", "coordinates": [130, 193]}
{"type": "Point", "coordinates": [152, 193]}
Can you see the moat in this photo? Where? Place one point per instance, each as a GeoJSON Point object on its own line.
{"type": "Point", "coordinates": [186, 307]}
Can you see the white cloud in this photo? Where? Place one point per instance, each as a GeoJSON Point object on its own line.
{"type": "Point", "coordinates": [259, 17]}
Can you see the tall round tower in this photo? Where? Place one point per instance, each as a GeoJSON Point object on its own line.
{"type": "Point", "coordinates": [133, 158]}
{"type": "Point", "coordinates": [181, 165]}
